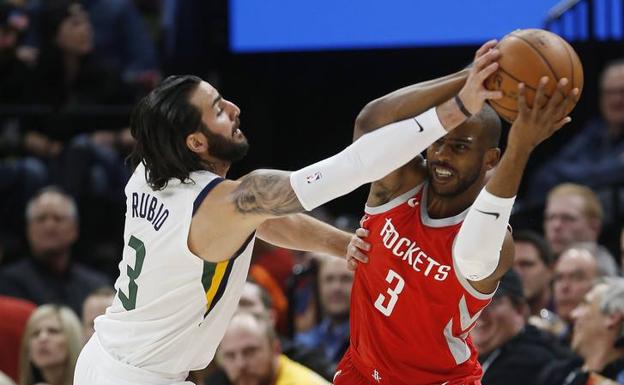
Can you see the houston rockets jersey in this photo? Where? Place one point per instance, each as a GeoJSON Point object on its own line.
{"type": "Point", "coordinates": [411, 310]}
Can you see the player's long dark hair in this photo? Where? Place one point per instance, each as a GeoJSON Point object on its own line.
{"type": "Point", "coordinates": [160, 124]}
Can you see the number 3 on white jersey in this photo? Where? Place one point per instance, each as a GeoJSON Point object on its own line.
{"type": "Point", "coordinates": [393, 293]}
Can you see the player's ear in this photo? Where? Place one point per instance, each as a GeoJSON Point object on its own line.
{"type": "Point", "coordinates": [491, 158]}
{"type": "Point", "coordinates": [197, 142]}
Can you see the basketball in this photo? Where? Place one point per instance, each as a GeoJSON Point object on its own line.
{"type": "Point", "coordinates": [526, 56]}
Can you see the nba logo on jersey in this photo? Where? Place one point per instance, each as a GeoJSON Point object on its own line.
{"type": "Point", "coordinates": [376, 375]}
{"type": "Point", "coordinates": [314, 177]}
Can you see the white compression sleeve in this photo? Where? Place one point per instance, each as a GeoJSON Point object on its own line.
{"type": "Point", "coordinates": [479, 242]}
{"type": "Point", "coordinates": [366, 160]}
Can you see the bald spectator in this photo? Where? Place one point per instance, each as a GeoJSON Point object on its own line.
{"type": "Point", "coordinates": [250, 354]}
{"type": "Point", "coordinates": [573, 214]}
{"type": "Point", "coordinates": [93, 306]}
{"type": "Point", "coordinates": [575, 272]}
{"type": "Point", "coordinates": [334, 287]}
{"type": "Point", "coordinates": [598, 339]}
{"type": "Point", "coordinates": [49, 275]}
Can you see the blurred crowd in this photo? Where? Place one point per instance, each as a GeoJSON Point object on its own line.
{"type": "Point", "coordinates": [69, 74]}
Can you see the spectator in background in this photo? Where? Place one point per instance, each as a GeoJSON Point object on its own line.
{"type": "Point", "coordinates": [84, 154]}
{"type": "Point", "coordinates": [122, 43]}
{"type": "Point", "coordinates": [14, 314]}
{"type": "Point", "coordinates": [607, 267]}
{"type": "Point", "coordinates": [598, 339]}
{"type": "Point", "coordinates": [511, 351]}
{"type": "Point", "coordinates": [250, 354]}
{"type": "Point", "coordinates": [596, 155]}
{"type": "Point", "coordinates": [20, 177]}
{"type": "Point", "coordinates": [50, 348]}
{"type": "Point", "coordinates": [94, 305]}
{"type": "Point", "coordinates": [50, 275]}
{"type": "Point", "coordinates": [576, 271]}
{"type": "Point", "coordinates": [257, 301]}
{"type": "Point", "coordinates": [534, 264]}
{"type": "Point", "coordinates": [573, 214]}
{"type": "Point", "coordinates": [334, 287]}
{"type": "Point", "coordinates": [13, 71]}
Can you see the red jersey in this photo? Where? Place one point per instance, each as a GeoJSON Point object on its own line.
{"type": "Point", "coordinates": [411, 310]}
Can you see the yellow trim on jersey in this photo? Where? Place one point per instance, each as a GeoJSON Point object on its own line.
{"type": "Point", "coordinates": [216, 282]}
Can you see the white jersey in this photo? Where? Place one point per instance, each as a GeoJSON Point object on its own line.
{"type": "Point", "coordinates": [172, 308]}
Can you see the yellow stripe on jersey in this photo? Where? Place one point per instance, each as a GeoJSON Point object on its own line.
{"type": "Point", "coordinates": [216, 282]}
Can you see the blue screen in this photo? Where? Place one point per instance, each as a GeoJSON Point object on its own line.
{"type": "Point", "coordinates": [299, 25]}
{"type": "Point", "coordinates": [294, 25]}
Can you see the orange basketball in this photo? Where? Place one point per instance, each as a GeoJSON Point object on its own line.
{"type": "Point", "coordinates": [526, 56]}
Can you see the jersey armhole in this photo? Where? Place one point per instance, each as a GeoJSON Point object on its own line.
{"type": "Point", "coordinates": [204, 192]}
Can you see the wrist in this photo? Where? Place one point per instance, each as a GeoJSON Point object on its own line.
{"type": "Point", "coordinates": [462, 107]}
{"type": "Point", "coordinates": [450, 115]}
{"type": "Point", "coordinates": [518, 153]}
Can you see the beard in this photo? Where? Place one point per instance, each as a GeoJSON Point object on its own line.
{"type": "Point", "coordinates": [247, 379]}
{"type": "Point", "coordinates": [227, 149]}
{"type": "Point", "coordinates": [463, 183]}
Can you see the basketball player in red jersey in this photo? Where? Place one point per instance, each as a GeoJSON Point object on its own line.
{"type": "Point", "coordinates": [438, 240]}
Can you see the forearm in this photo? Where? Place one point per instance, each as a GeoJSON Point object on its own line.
{"type": "Point", "coordinates": [408, 102]}
{"type": "Point", "coordinates": [302, 232]}
{"type": "Point", "coordinates": [373, 156]}
{"type": "Point", "coordinates": [508, 174]}
{"type": "Point", "coordinates": [478, 244]}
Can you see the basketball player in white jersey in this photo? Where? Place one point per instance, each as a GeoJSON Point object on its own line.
{"type": "Point", "coordinates": [189, 232]}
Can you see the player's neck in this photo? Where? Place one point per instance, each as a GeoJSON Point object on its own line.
{"type": "Point", "coordinates": [218, 167]}
{"type": "Point", "coordinates": [439, 206]}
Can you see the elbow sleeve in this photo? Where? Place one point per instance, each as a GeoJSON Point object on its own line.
{"type": "Point", "coordinates": [479, 242]}
{"type": "Point", "coordinates": [366, 160]}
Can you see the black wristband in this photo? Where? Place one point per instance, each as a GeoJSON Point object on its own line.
{"type": "Point", "coordinates": [461, 106]}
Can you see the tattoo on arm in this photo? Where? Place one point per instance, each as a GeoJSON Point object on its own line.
{"type": "Point", "coordinates": [266, 192]}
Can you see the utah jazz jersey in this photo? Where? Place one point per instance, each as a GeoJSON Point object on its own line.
{"type": "Point", "coordinates": [171, 308]}
{"type": "Point", "coordinates": [411, 310]}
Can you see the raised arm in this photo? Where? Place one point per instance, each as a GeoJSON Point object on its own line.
{"type": "Point", "coordinates": [477, 249]}
{"type": "Point", "coordinates": [407, 102]}
{"type": "Point", "coordinates": [413, 100]}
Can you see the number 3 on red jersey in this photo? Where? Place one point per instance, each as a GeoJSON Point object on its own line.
{"type": "Point", "coordinates": [392, 292]}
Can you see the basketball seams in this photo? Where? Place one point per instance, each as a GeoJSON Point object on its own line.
{"type": "Point", "coordinates": [501, 69]}
{"type": "Point", "coordinates": [503, 107]}
{"type": "Point", "coordinates": [556, 77]}
{"type": "Point", "coordinates": [570, 60]}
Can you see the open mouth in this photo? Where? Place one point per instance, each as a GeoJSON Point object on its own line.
{"type": "Point", "coordinates": [442, 174]}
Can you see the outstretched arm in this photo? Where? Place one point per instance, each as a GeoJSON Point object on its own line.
{"type": "Point", "coordinates": [302, 232]}
{"type": "Point", "coordinates": [270, 193]}
{"type": "Point", "coordinates": [407, 102]}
